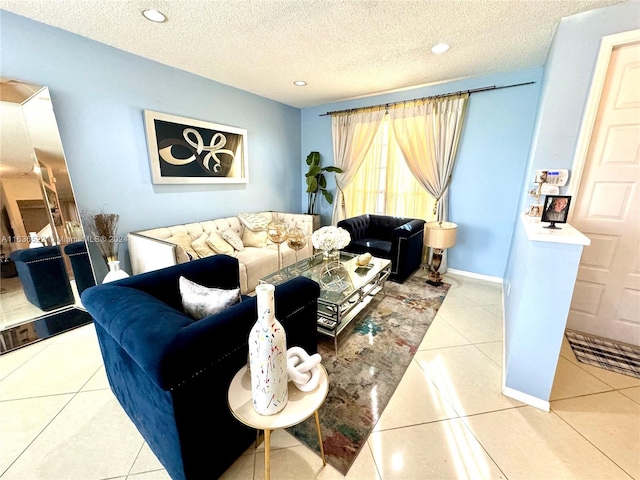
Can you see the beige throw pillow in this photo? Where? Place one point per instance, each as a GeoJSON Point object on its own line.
{"type": "Point", "coordinates": [219, 244]}
{"type": "Point", "coordinates": [184, 240]}
{"type": "Point", "coordinates": [201, 246]}
{"type": "Point", "coordinates": [199, 301]}
{"type": "Point", "coordinates": [233, 239]}
{"type": "Point", "coordinates": [254, 239]}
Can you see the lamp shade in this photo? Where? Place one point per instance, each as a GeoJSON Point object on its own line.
{"type": "Point", "coordinates": [440, 234]}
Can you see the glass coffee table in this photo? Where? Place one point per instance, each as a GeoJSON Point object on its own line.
{"type": "Point", "coordinates": [345, 288]}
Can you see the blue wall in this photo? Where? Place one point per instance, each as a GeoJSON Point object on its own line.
{"type": "Point", "coordinates": [489, 171]}
{"type": "Point", "coordinates": [536, 308]}
{"type": "Point", "coordinates": [99, 94]}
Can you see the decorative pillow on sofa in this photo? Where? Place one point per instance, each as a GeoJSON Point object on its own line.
{"type": "Point", "coordinates": [219, 244]}
{"type": "Point", "coordinates": [199, 301]}
{"type": "Point", "coordinates": [256, 222]}
{"type": "Point", "coordinates": [233, 239]}
{"type": "Point", "coordinates": [183, 240]}
{"type": "Point", "coordinates": [254, 239]}
{"type": "Point", "coordinates": [201, 246]}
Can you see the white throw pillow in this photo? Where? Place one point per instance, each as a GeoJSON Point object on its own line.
{"type": "Point", "coordinates": [256, 222]}
{"type": "Point", "coordinates": [199, 301]}
{"type": "Point", "coordinates": [233, 239]}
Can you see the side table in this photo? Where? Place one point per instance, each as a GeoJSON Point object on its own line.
{"type": "Point", "coordinates": [301, 406]}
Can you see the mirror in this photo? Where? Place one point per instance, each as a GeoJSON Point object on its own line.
{"type": "Point", "coordinates": [42, 250]}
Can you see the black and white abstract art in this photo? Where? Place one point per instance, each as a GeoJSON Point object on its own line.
{"type": "Point", "coordinates": [182, 150]}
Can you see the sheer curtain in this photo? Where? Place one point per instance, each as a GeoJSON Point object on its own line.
{"type": "Point", "coordinates": [406, 197]}
{"type": "Point", "coordinates": [385, 185]}
{"type": "Point", "coordinates": [365, 187]}
{"type": "Point", "coordinates": [428, 134]}
{"type": "Point", "coordinates": [353, 133]}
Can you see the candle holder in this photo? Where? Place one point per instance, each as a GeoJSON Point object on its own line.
{"type": "Point", "coordinates": [277, 231]}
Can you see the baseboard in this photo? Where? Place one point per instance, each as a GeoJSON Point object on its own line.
{"type": "Point", "coordinates": [479, 276]}
{"type": "Point", "coordinates": [526, 398]}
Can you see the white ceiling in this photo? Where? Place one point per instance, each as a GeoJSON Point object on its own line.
{"type": "Point", "coordinates": [342, 48]}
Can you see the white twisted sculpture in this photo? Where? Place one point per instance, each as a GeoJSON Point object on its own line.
{"type": "Point", "coordinates": [303, 369]}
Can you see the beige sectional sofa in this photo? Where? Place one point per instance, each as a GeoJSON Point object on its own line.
{"type": "Point", "coordinates": [167, 246]}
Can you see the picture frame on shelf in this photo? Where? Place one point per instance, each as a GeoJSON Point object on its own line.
{"type": "Point", "coordinates": [188, 151]}
{"type": "Point", "coordinates": [535, 210]}
{"type": "Point", "coordinates": [555, 210]}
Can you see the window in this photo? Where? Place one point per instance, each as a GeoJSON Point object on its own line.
{"type": "Point", "coordinates": [384, 184]}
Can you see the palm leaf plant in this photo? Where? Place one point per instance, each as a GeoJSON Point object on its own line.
{"type": "Point", "coordinates": [317, 182]}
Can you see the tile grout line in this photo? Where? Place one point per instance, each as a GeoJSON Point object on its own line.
{"type": "Point", "coordinates": [589, 441]}
{"type": "Point", "coordinates": [134, 462]}
{"type": "Point", "coordinates": [41, 431]}
{"type": "Point", "coordinates": [465, 426]}
{"type": "Point", "coordinates": [73, 395]}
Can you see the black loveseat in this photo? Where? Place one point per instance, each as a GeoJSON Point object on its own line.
{"type": "Point", "coordinates": [395, 238]}
{"type": "Point", "coordinates": [171, 373]}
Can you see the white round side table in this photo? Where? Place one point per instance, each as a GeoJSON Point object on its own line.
{"type": "Point", "coordinates": [301, 405]}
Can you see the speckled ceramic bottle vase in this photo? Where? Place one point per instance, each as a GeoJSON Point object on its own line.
{"type": "Point", "coordinates": [268, 356]}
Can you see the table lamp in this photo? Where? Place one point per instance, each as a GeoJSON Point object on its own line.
{"type": "Point", "coordinates": [439, 236]}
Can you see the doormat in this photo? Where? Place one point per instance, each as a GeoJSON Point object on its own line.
{"type": "Point", "coordinates": [41, 328]}
{"type": "Point", "coordinates": [371, 360]}
{"type": "Point", "coordinates": [601, 352]}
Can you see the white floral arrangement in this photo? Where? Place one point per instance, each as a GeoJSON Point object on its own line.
{"type": "Point", "coordinates": [330, 238]}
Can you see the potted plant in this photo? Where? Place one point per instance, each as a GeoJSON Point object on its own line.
{"type": "Point", "coordinates": [317, 182]}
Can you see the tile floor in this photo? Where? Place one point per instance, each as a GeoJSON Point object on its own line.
{"type": "Point", "coordinates": [446, 420]}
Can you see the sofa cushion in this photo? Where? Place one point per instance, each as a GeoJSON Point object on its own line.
{"type": "Point", "coordinates": [199, 301]}
{"type": "Point", "coordinates": [377, 248]}
{"type": "Point", "coordinates": [201, 246]}
{"type": "Point", "coordinates": [219, 244]}
{"type": "Point", "coordinates": [258, 263]}
{"type": "Point", "coordinates": [233, 239]}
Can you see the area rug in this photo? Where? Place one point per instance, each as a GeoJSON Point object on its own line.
{"type": "Point", "coordinates": [371, 360]}
{"type": "Point", "coordinates": [601, 352]}
{"type": "Point", "coordinates": [44, 327]}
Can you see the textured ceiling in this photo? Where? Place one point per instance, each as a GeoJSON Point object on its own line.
{"type": "Point", "coordinates": [342, 48]}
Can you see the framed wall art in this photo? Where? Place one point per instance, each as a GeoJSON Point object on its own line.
{"type": "Point", "coordinates": [183, 150]}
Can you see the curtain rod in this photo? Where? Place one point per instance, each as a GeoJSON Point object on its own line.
{"type": "Point", "coordinates": [387, 105]}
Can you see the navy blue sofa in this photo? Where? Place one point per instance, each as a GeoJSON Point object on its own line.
{"type": "Point", "coordinates": [43, 277]}
{"type": "Point", "coordinates": [171, 374]}
{"type": "Point", "coordinates": [395, 238]}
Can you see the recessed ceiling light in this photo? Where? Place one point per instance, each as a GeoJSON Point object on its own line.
{"type": "Point", "coordinates": [440, 48]}
{"type": "Point", "coordinates": [300, 83]}
{"type": "Point", "coordinates": [154, 15]}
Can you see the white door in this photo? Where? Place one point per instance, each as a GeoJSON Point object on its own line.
{"type": "Point", "coordinates": [606, 298]}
